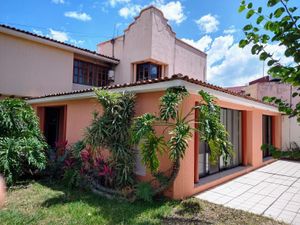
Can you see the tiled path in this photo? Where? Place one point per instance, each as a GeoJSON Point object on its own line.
{"type": "Point", "coordinates": [273, 191]}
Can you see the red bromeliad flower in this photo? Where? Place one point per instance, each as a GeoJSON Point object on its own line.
{"type": "Point", "coordinates": [85, 155]}
{"type": "Point", "coordinates": [106, 171]}
{"type": "Point", "coordinates": [61, 147]}
{"type": "Point", "coordinates": [69, 162]}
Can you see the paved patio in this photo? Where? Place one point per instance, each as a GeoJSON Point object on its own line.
{"type": "Point", "coordinates": [273, 191]}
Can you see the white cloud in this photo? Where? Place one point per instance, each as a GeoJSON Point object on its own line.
{"type": "Point", "coordinates": [130, 11]}
{"type": "Point", "coordinates": [202, 44]}
{"type": "Point", "coordinates": [38, 32]}
{"type": "Point", "coordinates": [219, 48]}
{"type": "Point", "coordinates": [208, 23]}
{"type": "Point", "coordinates": [78, 15]}
{"type": "Point", "coordinates": [58, 1]}
{"type": "Point", "coordinates": [173, 11]}
{"type": "Point", "coordinates": [113, 3]}
{"type": "Point", "coordinates": [58, 35]}
{"type": "Point", "coordinates": [237, 67]}
{"type": "Point", "coordinates": [230, 30]}
{"type": "Point", "coordinates": [230, 65]}
{"type": "Point", "coordinates": [76, 42]}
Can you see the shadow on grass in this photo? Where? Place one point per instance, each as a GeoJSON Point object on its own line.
{"type": "Point", "coordinates": [112, 210]}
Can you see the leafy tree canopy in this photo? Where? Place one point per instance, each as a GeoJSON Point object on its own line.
{"type": "Point", "coordinates": [280, 26]}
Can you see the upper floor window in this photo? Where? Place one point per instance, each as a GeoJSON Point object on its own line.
{"type": "Point", "coordinates": [87, 73]}
{"type": "Point", "coordinates": [146, 71]}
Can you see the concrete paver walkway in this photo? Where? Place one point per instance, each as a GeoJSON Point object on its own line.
{"type": "Point", "coordinates": [273, 191]}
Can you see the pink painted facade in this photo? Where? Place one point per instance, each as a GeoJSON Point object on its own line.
{"type": "Point", "coordinates": [47, 68]}
{"type": "Point", "coordinates": [80, 106]}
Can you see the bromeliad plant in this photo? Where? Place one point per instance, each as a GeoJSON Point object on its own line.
{"type": "Point", "coordinates": [179, 127]}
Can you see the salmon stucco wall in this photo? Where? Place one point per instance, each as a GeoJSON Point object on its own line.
{"type": "Point", "coordinates": [79, 116]}
{"type": "Point", "coordinates": [185, 185]}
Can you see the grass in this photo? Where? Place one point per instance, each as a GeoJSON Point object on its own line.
{"type": "Point", "coordinates": [46, 202]}
{"type": "Point", "coordinates": [49, 203]}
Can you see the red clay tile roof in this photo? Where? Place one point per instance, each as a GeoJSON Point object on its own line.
{"type": "Point", "coordinates": [59, 42]}
{"type": "Point", "coordinates": [158, 80]}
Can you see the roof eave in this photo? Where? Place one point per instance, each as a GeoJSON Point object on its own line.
{"type": "Point", "coordinates": [55, 44]}
{"type": "Point", "coordinates": [161, 86]}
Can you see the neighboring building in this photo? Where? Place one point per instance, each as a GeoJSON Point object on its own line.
{"type": "Point", "coordinates": [149, 55]}
{"type": "Point", "coordinates": [266, 86]}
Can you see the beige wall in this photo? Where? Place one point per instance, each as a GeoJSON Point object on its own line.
{"type": "Point", "coordinates": [150, 38]}
{"type": "Point", "coordinates": [290, 126]}
{"type": "Point", "coordinates": [31, 69]}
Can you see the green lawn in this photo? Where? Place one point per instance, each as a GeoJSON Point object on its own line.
{"type": "Point", "coordinates": [46, 203]}
{"type": "Point", "coordinates": [49, 203]}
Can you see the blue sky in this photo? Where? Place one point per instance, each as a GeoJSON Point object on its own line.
{"type": "Point", "coordinates": [213, 26]}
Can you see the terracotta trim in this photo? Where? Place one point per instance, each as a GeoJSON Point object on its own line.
{"type": "Point", "coordinates": [64, 130]}
{"type": "Point", "coordinates": [244, 138]}
{"type": "Point", "coordinates": [196, 147]}
{"type": "Point", "coordinates": [41, 115]}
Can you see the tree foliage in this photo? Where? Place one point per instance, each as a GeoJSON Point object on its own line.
{"type": "Point", "coordinates": [280, 26]}
{"type": "Point", "coordinates": [179, 127]}
{"type": "Point", "coordinates": [212, 130]}
{"type": "Point", "coordinates": [111, 130]}
{"type": "Point", "coordinates": [21, 142]}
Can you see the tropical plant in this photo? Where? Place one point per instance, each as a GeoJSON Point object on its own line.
{"type": "Point", "coordinates": [292, 153]}
{"type": "Point", "coordinates": [178, 127]}
{"type": "Point", "coordinates": [281, 26]}
{"type": "Point", "coordinates": [21, 142]}
{"type": "Point", "coordinates": [111, 131]}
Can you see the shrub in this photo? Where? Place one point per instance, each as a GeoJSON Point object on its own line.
{"type": "Point", "coordinates": [21, 142]}
{"type": "Point", "coordinates": [293, 153]}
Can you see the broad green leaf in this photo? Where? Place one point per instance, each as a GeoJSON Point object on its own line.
{"type": "Point", "coordinates": [278, 12]}
{"type": "Point", "coordinates": [260, 19]}
{"type": "Point", "coordinates": [250, 13]}
{"type": "Point", "coordinates": [247, 27]}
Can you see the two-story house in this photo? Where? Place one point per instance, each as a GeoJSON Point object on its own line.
{"type": "Point", "coordinates": [147, 59]}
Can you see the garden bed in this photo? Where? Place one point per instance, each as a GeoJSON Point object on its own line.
{"type": "Point", "coordinates": [47, 202]}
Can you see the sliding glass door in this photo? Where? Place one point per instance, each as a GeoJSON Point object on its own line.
{"type": "Point", "coordinates": [232, 120]}
{"type": "Point", "coordinates": [267, 134]}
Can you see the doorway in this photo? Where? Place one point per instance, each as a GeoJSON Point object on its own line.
{"type": "Point", "coordinates": [54, 125]}
{"type": "Point", "coordinates": [267, 134]}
